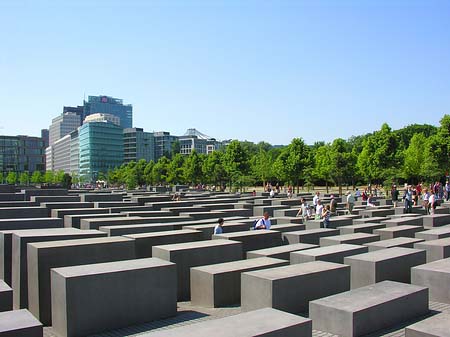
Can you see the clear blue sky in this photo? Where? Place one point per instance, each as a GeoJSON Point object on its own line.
{"type": "Point", "coordinates": [255, 70]}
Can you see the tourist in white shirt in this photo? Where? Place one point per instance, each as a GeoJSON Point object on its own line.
{"type": "Point", "coordinates": [319, 209]}
{"type": "Point", "coordinates": [432, 202]}
{"type": "Point", "coordinates": [263, 223]}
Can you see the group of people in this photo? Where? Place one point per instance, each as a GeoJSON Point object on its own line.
{"type": "Point", "coordinates": [317, 210]}
{"type": "Point", "coordinates": [426, 196]}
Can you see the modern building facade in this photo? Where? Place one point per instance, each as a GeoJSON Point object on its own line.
{"type": "Point", "coordinates": [74, 153]}
{"type": "Point", "coordinates": [138, 144]}
{"type": "Point", "coordinates": [109, 105]}
{"type": "Point", "coordinates": [21, 154]}
{"type": "Point", "coordinates": [163, 143]}
{"type": "Point", "coordinates": [100, 149]}
{"type": "Point", "coordinates": [195, 140]}
{"type": "Point", "coordinates": [63, 125]}
{"type": "Point", "coordinates": [58, 155]}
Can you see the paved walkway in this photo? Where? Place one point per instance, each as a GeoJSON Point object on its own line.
{"type": "Point", "coordinates": [188, 314]}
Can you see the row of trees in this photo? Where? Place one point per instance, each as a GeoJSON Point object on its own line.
{"type": "Point", "coordinates": [414, 153]}
{"type": "Point", "coordinates": [25, 178]}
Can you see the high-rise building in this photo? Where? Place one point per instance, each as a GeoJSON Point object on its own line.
{"type": "Point", "coordinates": [58, 155]}
{"type": "Point", "coordinates": [195, 140]}
{"type": "Point", "coordinates": [45, 137]}
{"type": "Point", "coordinates": [100, 149]}
{"type": "Point", "coordinates": [21, 154]}
{"type": "Point", "coordinates": [74, 153]}
{"type": "Point", "coordinates": [63, 125]}
{"type": "Point", "coordinates": [138, 145]}
{"type": "Point", "coordinates": [109, 105]}
{"type": "Point", "coordinates": [100, 117]}
{"type": "Point", "coordinates": [163, 143]}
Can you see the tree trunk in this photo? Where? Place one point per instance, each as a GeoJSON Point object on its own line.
{"type": "Point", "coordinates": [326, 184]}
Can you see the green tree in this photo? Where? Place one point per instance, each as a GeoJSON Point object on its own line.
{"type": "Point", "coordinates": [160, 170]}
{"type": "Point", "coordinates": [236, 161]}
{"type": "Point", "coordinates": [193, 168]}
{"type": "Point", "coordinates": [291, 164]}
{"type": "Point", "coordinates": [24, 178]}
{"type": "Point", "coordinates": [380, 159]}
{"type": "Point", "coordinates": [414, 157]}
{"type": "Point", "coordinates": [36, 177]}
{"type": "Point", "coordinates": [148, 172]}
{"type": "Point", "coordinates": [323, 164]}
{"type": "Point", "coordinates": [175, 172]}
{"type": "Point", "coordinates": [213, 169]}
{"type": "Point", "coordinates": [11, 178]}
{"type": "Point", "coordinates": [58, 177]}
{"type": "Point", "coordinates": [66, 181]}
{"type": "Point", "coordinates": [140, 168]}
{"type": "Point", "coordinates": [48, 177]}
{"type": "Point", "coordinates": [175, 148]}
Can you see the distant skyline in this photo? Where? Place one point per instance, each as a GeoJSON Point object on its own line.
{"type": "Point", "coordinates": [237, 69]}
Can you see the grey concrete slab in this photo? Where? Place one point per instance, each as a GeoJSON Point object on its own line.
{"type": "Point", "coordinates": [335, 222]}
{"type": "Point", "coordinates": [95, 223]}
{"type": "Point", "coordinates": [20, 323]}
{"type": "Point", "coordinates": [436, 277]}
{"type": "Point", "coordinates": [109, 204]}
{"type": "Point", "coordinates": [405, 215]}
{"type": "Point", "coordinates": [236, 212]}
{"type": "Point", "coordinates": [203, 215]}
{"type": "Point", "coordinates": [60, 213]}
{"type": "Point", "coordinates": [168, 204]}
{"type": "Point", "coordinates": [141, 200]}
{"type": "Point", "coordinates": [280, 252]}
{"type": "Point", "coordinates": [12, 197]}
{"type": "Point", "coordinates": [376, 219]}
{"type": "Point", "coordinates": [4, 204]}
{"type": "Point", "coordinates": [370, 213]}
{"type": "Point", "coordinates": [60, 205]}
{"type": "Point", "coordinates": [148, 214]}
{"type": "Point", "coordinates": [415, 210]}
{"type": "Point", "coordinates": [393, 264]}
{"type": "Point", "coordinates": [145, 241]}
{"type": "Point", "coordinates": [287, 227]}
{"type": "Point", "coordinates": [119, 209]}
{"type": "Point", "coordinates": [215, 207]}
{"type": "Point", "coordinates": [207, 230]}
{"type": "Point", "coordinates": [434, 234]}
{"type": "Point", "coordinates": [55, 198]}
{"type": "Point", "coordinates": [91, 197]}
{"type": "Point", "coordinates": [219, 285]}
{"type": "Point", "coordinates": [335, 253]}
{"type": "Point", "coordinates": [194, 254]}
{"type": "Point", "coordinates": [435, 326]}
{"type": "Point", "coordinates": [436, 220]}
{"type": "Point", "coordinates": [47, 191]}
{"type": "Point", "coordinates": [23, 212]}
{"type": "Point", "coordinates": [282, 220]}
{"type": "Point", "coordinates": [20, 239]}
{"type": "Point", "coordinates": [355, 239]}
{"type": "Point", "coordinates": [178, 210]}
{"type": "Point", "coordinates": [414, 221]}
{"type": "Point", "coordinates": [291, 212]}
{"type": "Point", "coordinates": [271, 322]}
{"type": "Point", "coordinates": [6, 297]}
{"type": "Point", "coordinates": [260, 210]}
{"type": "Point", "coordinates": [436, 249]}
{"type": "Point", "coordinates": [30, 223]}
{"type": "Point", "coordinates": [391, 243]}
{"type": "Point", "coordinates": [253, 240]}
{"type": "Point", "coordinates": [407, 231]}
{"type": "Point", "coordinates": [311, 236]}
{"type": "Point", "coordinates": [43, 256]}
{"type": "Point", "coordinates": [74, 220]}
{"type": "Point", "coordinates": [369, 309]}
{"type": "Point", "coordinates": [93, 298]}
{"type": "Point", "coordinates": [290, 288]}
{"type": "Point", "coordinates": [361, 228]}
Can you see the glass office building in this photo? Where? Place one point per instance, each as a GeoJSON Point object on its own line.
{"type": "Point", "coordinates": [21, 154]}
{"type": "Point", "coordinates": [109, 105]}
{"type": "Point", "coordinates": [138, 145]}
{"type": "Point", "coordinates": [100, 149]}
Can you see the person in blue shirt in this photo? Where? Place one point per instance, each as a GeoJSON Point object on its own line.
{"type": "Point", "coordinates": [218, 229]}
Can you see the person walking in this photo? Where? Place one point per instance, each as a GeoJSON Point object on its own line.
{"type": "Point", "coordinates": [263, 223]}
{"type": "Point", "coordinates": [218, 229]}
{"type": "Point", "coordinates": [326, 214]}
{"type": "Point", "coordinates": [350, 202]}
{"type": "Point", "coordinates": [408, 198]}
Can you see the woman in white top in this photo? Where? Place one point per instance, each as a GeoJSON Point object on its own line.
{"type": "Point", "coordinates": [432, 202]}
{"type": "Point", "coordinates": [319, 209]}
